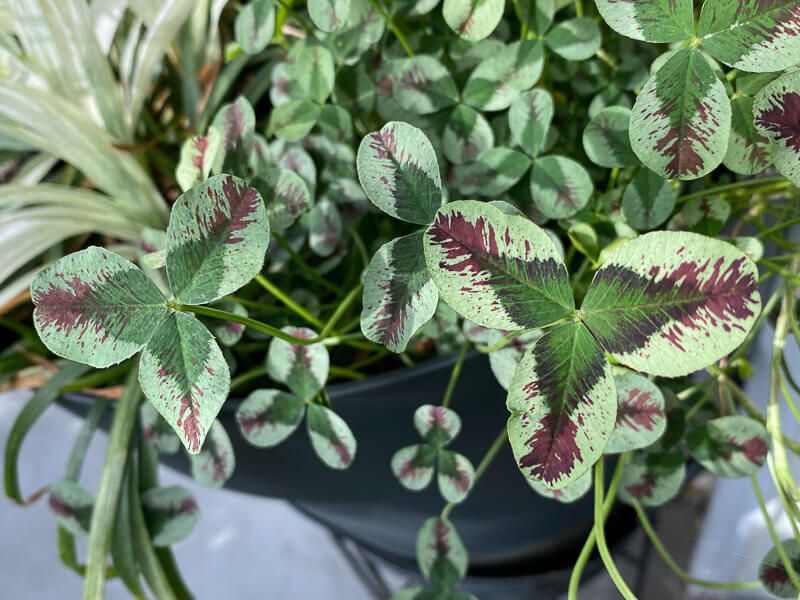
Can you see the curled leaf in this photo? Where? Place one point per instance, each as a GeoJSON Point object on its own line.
{"type": "Point", "coordinates": [197, 157]}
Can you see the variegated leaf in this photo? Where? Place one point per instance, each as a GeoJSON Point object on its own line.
{"type": "Point", "coordinates": [330, 436]}
{"type": "Point", "coordinates": [363, 29]}
{"type": "Point", "coordinates": [315, 72]}
{"type": "Point", "coordinates": [504, 361]}
{"type": "Point", "coordinates": [157, 431]}
{"type": "Point", "coordinates": [214, 464]}
{"type": "Point", "coordinates": [641, 415]}
{"type": "Point", "coordinates": [569, 493]}
{"type": "Point", "coordinates": [749, 150]}
{"type": "Point", "coordinates": [493, 172]}
{"type": "Point", "coordinates": [560, 187]}
{"type": "Point", "coordinates": [669, 303]}
{"type": "Point", "coordinates": [500, 271]}
{"type": "Point", "coordinates": [413, 466]}
{"type": "Point", "coordinates": [267, 417]}
{"type": "Point", "coordinates": [304, 369]}
{"type": "Point", "coordinates": [255, 25]}
{"type": "Point", "coordinates": [466, 135]}
{"type": "Point", "coordinates": [398, 170]}
{"type": "Point", "coordinates": [441, 555]}
{"type": "Point", "coordinates": [423, 84]}
{"type": "Point", "coordinates": [648, 200]}
{"type": "Point", "coordinates": [575, 39]}
{"type": "Point", "coordinates": [236, 122]}
{"type": "Point", "coordinates": [399, 295]}
{"type": "Point", "coordinates": [529, 119]}
{"type": "Point", "coordinates": [171, 514]}
{"type": "Point", "coordinates": [652, 478]}
{"type": "Point", "coordinates": [455, 475]}
{"type": "Point", "coordinates": [681, 121]}
{"type": "Point", "coordinates": [773, 574]}
{"type": "Point", "coordinates": [775, 110]}
{"type": "Point", "coordinates": [198, 154]}
{"type": "Point", "coordinates": [536, 14]}
{"type": "Point", "coordinates": [329, 15]}
{"type": "Point", "coordinates": [95, 307]}
{"type": "Point", "coordinates": [563, 405]}
{"type": "Point", "coordinates": [473, 20]}
{"type": "Point", "coordinates": [293, 120]}
{"type": "Point", "coordinates": [606, 140]}
{"type": "Point", "coordinates": [324, 227]}
{"type": "Point", "coordinates": [216, 240]}
{"type": "Point", "coordinates": [437, 425]}
{"type": "Point", "coordinates": [72, 505]}
{"type": "Point", "coordinates": [752, 35]}
{"type": "Point", "coordinates": [656, 21]}
{"type": "Point", "coordinates": [183, 373]}
{"type": "Point", "coordinates": [706, 216]}
{"type": "Point", "coordinates": [285, 194]}
{"type": "Point", "coordinates": [501, 76]}
{"type": "Point", "coordinates": [732, 446]}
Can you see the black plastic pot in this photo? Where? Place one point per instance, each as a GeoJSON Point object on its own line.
{"type": "Point", "coordinates": [507, 527]}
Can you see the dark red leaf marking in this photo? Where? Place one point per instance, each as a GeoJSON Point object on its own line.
{"type": "Point", "coordinates": [645, 487]}
{"type": "Point", "coordinates": [188, 418]}
{"type": "Point", "coordinates": [440, 545]}
{"type": "Point", "coordinates": [782, 120]}
{"type": "Point", "coordinates": [636, 411]}
{"type": "Point", "coordinates": [201, 145]}
{"type": "Point", "coordinates": [82, 514]}
{"type": "Point", "coordinates": [775, 576]}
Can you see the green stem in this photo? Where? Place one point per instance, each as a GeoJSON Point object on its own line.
{"type": "Point", "coordinates": [515, 334]}
{"type": "Point", "coordinates": [90, 423]}
{"type": "Point", "coordinates": [787, 564]}
{"type": "Point", "coordinates": [733, 187]}
{"type": "Point", "coordinates": [96, 379]}
{"type": "Point", "coordinates": [253, 373]}
{"type": "Point", "coordinates": [588, 546]}
{"type": "Point", "coordinates": [648, 529]}
{"type": "Point", "coordinates": [485, 462]}
{"type": "Point", "coordinates": [345, 372]}
{"type": "Point", "coordinates": [578, 8]}
{"type": "Point", "coordinates": [304, 266]}
{"type": "Point", "coordinates": [108, 488]}
{"type": "Point", "coordinates": [393, 26]}
{"type": "Point", "coordinates": [599, 529]}
{"type": "Point", "coordinates": [339, 312]}
{"type": "Point", "coordinates": [294, 306]}
{"type": "Point", "coordinates": [451, 385]}
{"type": "Point", "coordinates": [779, 227]}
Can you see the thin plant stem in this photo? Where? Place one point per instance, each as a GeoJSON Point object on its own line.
{"type": "Point", "coordinates": [345, 372]}
{"type": "Point", "coordinates": [670, 562]}
{"type": "Point", "coordinates": [787, 564]}
{"type": "Point", "coordinates": [578, 8]}
{"type": "Point", "coordinates": [291, 304]}
{"type": "Point", "coordinates": [599, 530]}
{"type": "Point", "coordinates": [393, 26]}
{"type": "Point", "coordinates": [304, 266]}
{"type": "Point", "coordinates": [515, 334]}
{"type": "Point", "coordinates": [253, 373]}
{"type": "Point", "coordinates": [340, 310]}
{"type": "Point", "coordinates": [733, 187]}
{"type": "Point", "coordinates": [451, 385]}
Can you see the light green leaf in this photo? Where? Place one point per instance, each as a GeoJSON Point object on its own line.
{"type": "Point", "coordinates": [293, 120]}
{"type": "Point", "coordinates": [569, 493]}
{"type": "Point", "coordinates": [422, 85]}
{"type": "Point", "coordinates": [413, 466]}
{"type": "Point", "coordinates": [171, 514]}
{"type": "Point", "coordinates": [267, 417]}
{"type": "Point", "coordinates": [653, 478]}
{"type": "Point", "coordinates": [529, 118]}
{"type": "Point", "coordinates": [606, 139]}
{"type": "Point", "coordinates": [330, 436]}
{"type": "Point", "coordinates": [733, 446]}
{"type": "Point", "coordinates": [656, 21]}
{"type": "Point", "coordinates": [575, 39]}
{"type": "Point", "coordinates": [214, 464]}
{"type": "Point", "coordinates": [441, 555]}
{"type": "Point", "coordinates": [775, 112]}
{"type": "Point", "coordinates": [72, 505]}
{"type": "Point", "coordinates": [493, 172]}
{"type": "Point", "coordinates": [648, 200]}
{"type": "Point", "coordinates": [315, 73]}
{"type": "Point", "coordinates": [560, 187]}
{"type": "Point", "coordinates": [455, 476]}
{"type": "Point", "coordinates": [329, 15]}
{"type": "Point", "coordinates": [473, 20]}
{"type": "Point", "coordinates": [304, 369]}
{"type": "Point", "coordinates": [437, 425]}
{"type": "Point", "coordinates": [255, 25]}
{"type": "Point", "coordinates": [466, 135]}
{"type": "Point", "coordinates": [285, 194]}
{"type": "Point", "coordinates": [236, 123]}
{"type": "Point", "coordinates": [641, 415]}
{"type": "Point", "coordinates": [198, 154]}
{"type": "Point", "coordinates": [749, 151]}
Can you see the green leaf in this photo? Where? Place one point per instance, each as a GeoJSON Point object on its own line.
{"type": "Point", "coordinates": [732, 446]}
{"type": "Point", "coordinates": [304, 369]}
{"type": "Point", "coordinates": [255, 25]}
{"type": "Point", "coordinates": [652, 478]}
{"type": "Point", "coordinates": [657, 21]}
{"type": "Point", "coordinates": [569, 493]}
{"type": "Point", "coordinates": [752, 35]}
{"type": "Point", "coordinates": [500, 77]}
{"type": "Point", "coordinates": [214, 464]}
{"type": "Point", "coordinates": [72, 505]}
{"type": "Point", "coordinates": [216, 240]}
{"type": "Point", "coordinates": [441, 554]}
{"type": "Point", "coordinates": [563, 406]}
{"type": "Point", "coordinates": [500, 271]}
{"type": "Point", "coordinates": [705, 215]}
{"type": "Point", "coordinates": [536, 14]}
{"type": "Point", "coordinates": [236, 123]}
{"type": "Point", "coordinates": [171, 514]}
{"type": "Point", "coordinates": [473, 20]}
{"type": "Point", "coordinates": [575, 39]}
{"type": "Point", "coordinates": [775, 112]}
{"type": "Point", "coordinates": [423, 84]}
{"type": "Point", "coordinates": [293, 120]}
{"type": "Point", "coordinates": [183, 373]}
{"type": "Point", "coordinates": [329, 15]}
{"type": "Point", "coordinates": [335, 123]}
{"type": "Point", "coordinates": [315, 72]}
{"type": "Point", "coordinates": [95, 307]}
{"type": "Point", "coordinates": [198, 154]}
{"type": "Point", "coordinates": [286, 197]}
{"type": "Point", "coordinates": [749, 151]}
{"type": "Point", "coordinates": [363, 29]}
{"type": "Point", "coordinates": [267, 417]}
{"type": "Point", "coordinates": [606, 140]}
{"type": "Point", "coordinates": [560, 187]}
{"type": "Point", "coordinates": [398, 170]}
{"type": "Point", "coordinates": [493, 172]}
{"type": "Point", "coordinates": [466, 135]}
{"type": "Point", "coordinates": [648, 200]}
{"type": "Point", "coordinates": [529, 119]}
{"type": "Point", "coordinates": [399, 296]}
{"type": "Point", "coordinates": [157, 431]}
{"type": "Point", "coordinates": [669, 303]}
{"type": "Point", "coordinates": [437, 425]}
{"type": "Point", "coordinates": [455, 476]}
{"type": "Point", "coordinates": [330, 436]}
{"type": "Point", "coordinates": [641, 416]}
{"type": "Point", "coordinates": [413, 466]}
{"type": "Point", "coordinates": [772, 573]}
{"type": "Point", "coordinates": [681, 121]}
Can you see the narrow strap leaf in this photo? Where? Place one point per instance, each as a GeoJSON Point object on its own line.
{"type": "Point", "coordinates": [90, 423]}
{"type": "Point", "coordinates": [122, 552]}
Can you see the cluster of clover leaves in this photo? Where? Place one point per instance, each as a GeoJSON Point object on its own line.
{"type": "Point", "coordinates": [467, 117]}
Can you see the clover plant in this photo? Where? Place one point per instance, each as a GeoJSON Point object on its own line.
{"type": "Point", "coordinates": [591, 194]}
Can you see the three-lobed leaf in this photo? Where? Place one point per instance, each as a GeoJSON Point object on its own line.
{"type": "Point", "coordinates": [303, 368]}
